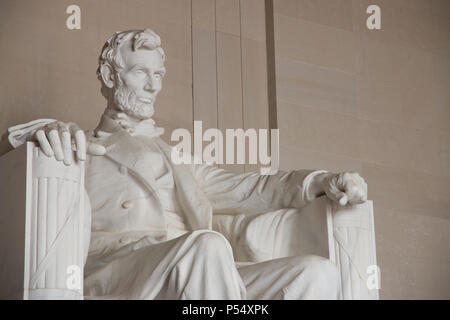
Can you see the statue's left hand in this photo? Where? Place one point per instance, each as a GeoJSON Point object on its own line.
{"type": "Point", "coordinates": [345, 187]}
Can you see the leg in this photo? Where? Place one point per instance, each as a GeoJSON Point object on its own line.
{"type": "Point", "coordinates": [206, 271]}
{"type": "Point", "coordinates": [305, 277]}
{"type": "Point", "coordinates": [197, 265]}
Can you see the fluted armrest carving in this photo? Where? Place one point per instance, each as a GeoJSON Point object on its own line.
{"type": "Point", "coordinates": [42, 225]}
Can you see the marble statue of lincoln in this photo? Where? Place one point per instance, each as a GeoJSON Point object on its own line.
{"type": "Point", "coordinates": [161, 230]}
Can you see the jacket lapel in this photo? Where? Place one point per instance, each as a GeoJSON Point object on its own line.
{"type": "Point", "coordinates": [197, 208]}
{"type": "Point", "coordinates": [123, 149]}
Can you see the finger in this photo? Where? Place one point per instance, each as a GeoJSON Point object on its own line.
{"type": "Point", "coordinates": [66, 147]}
{"type": "Point", "coordinates": [66, 143]}
{"type": "Point", "coordinates": [356, 200]}
{"type": "Point", "coordinates": [361, 198]}
{"type": "Point", "coordinates": [44, 144]}
{"type": "Point", "coordinates": [365, 195]}
{"type": "Point", "coordinates": [333, 191]}
{"type": "Point", "coordinates": [337, 195]}
{"type": "Point", "coordinates": [350, 189]}
{"type": "Point", "coordinates": [355, 193]}
{"type": "Point", "coordinates": [365, 191]}
{"type": "Point", "coordinates": [361, 194]}
{"type": "Point", "coordinates": [80, 140]}
{"type": "Point", "coordinates": [96, 149]}
{"type": "Point", "coordinates": [53, 137]}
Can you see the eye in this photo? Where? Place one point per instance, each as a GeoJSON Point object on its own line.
{"type": "Point", "coordinates": [139, 72]}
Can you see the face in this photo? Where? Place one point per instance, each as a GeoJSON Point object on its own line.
{"type": "Point", "coordinates": [141, 82]}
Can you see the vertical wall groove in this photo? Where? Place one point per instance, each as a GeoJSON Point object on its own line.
{"type": "Point", "coordinates": [192, 72]}
{"type": "Point", "coordinates": [271, 77]}
{"type": "Point", "coordinates": [242, 69]}
{"type": "Point", "coordinates": [217, 80]}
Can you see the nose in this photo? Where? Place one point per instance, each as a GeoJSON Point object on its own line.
{"type": "Point", "coordinates": [151, 85]}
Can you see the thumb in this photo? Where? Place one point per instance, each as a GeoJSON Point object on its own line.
{"type": "Point", "coordinates": [342, 199]}
{"type": "Point", "coordinates": [334, 192]}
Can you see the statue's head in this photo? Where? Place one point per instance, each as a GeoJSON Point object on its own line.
{"type": "Point", "coordinates": [131, 68]}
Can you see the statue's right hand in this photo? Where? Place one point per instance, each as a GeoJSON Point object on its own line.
{"type": "Point", "coordinates": [60, 139]}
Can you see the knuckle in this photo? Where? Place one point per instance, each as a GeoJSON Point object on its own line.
{"type": "Point", "coordinates": [354, 191]}
{"type": "Point", "coordinates": [80, 134]}
{"type": "Point", "coordinates": [63, 126]}
{"type": "Point", "coordinates": [49, 127]}
{"type": "Point", "coordinates": [74, 125]}
{"type": "Point", "coordinates": [64, 130]}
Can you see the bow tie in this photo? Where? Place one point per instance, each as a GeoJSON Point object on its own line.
{"type": "Point", "coordinates": [144, 128]}
{"type": "Point", "coordinates": [120, 121]}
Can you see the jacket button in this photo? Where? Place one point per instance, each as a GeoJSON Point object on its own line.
{"type": "Point", "coordinates": [127, 204]}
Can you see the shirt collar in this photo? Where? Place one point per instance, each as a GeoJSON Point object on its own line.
{"type": "Point", "coordinates": [113, 121]}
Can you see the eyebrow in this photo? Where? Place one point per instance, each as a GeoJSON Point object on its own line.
{"type": "Point", "coordinates": [140, 66]}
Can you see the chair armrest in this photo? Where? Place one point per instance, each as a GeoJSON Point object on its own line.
{"type": "Point", "coordinates": [351, 241]}
{"type": "Point", "coordinates": [42, 226]}
{"type": "Point", "coordinates": [345, 235]}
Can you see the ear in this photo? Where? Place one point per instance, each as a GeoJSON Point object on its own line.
{"type": "Point", "coordinates": [107, 75]}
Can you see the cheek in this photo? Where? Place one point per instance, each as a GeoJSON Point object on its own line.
{"type": "Point", "coordinates": [133, 83]}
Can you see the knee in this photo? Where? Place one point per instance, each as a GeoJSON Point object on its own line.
{"type": "Point", "coordinates": [315, 278]}
{"type": "Point", "coordinates": [203, 247]}
{"type": "Point", "coordinates": [209, 242]}
{"type": "Point", "coordinates": [321, 267]}
{"type": "Point", "coordinates": [323, 273]}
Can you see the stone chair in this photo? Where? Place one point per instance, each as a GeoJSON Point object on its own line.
{"type": "Point", "coordinates": [41, 232]}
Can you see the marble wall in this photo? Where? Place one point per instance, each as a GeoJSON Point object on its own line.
{"type": "Point", "coordinates": [230, 65]}
{"type": "Point", "coordinates": [376, 102]}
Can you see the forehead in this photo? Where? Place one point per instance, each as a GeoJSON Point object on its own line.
{"type": "Point", "coordinates": [151, 59]}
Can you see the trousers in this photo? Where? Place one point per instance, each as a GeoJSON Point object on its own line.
{"type": "Point", "coordinates": [200, 265]}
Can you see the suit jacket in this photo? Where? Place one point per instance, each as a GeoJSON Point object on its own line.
{"type": "Point", "coordinates": [126, 206]}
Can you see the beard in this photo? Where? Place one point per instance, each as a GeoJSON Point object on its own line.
{"type": "Point", "coordinates": [126, 101]}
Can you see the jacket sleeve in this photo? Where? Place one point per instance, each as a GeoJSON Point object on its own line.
{"type": "Point", "coordinates": [232, 193]}
{"type": "Point", "coordinates": [17, 135]}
